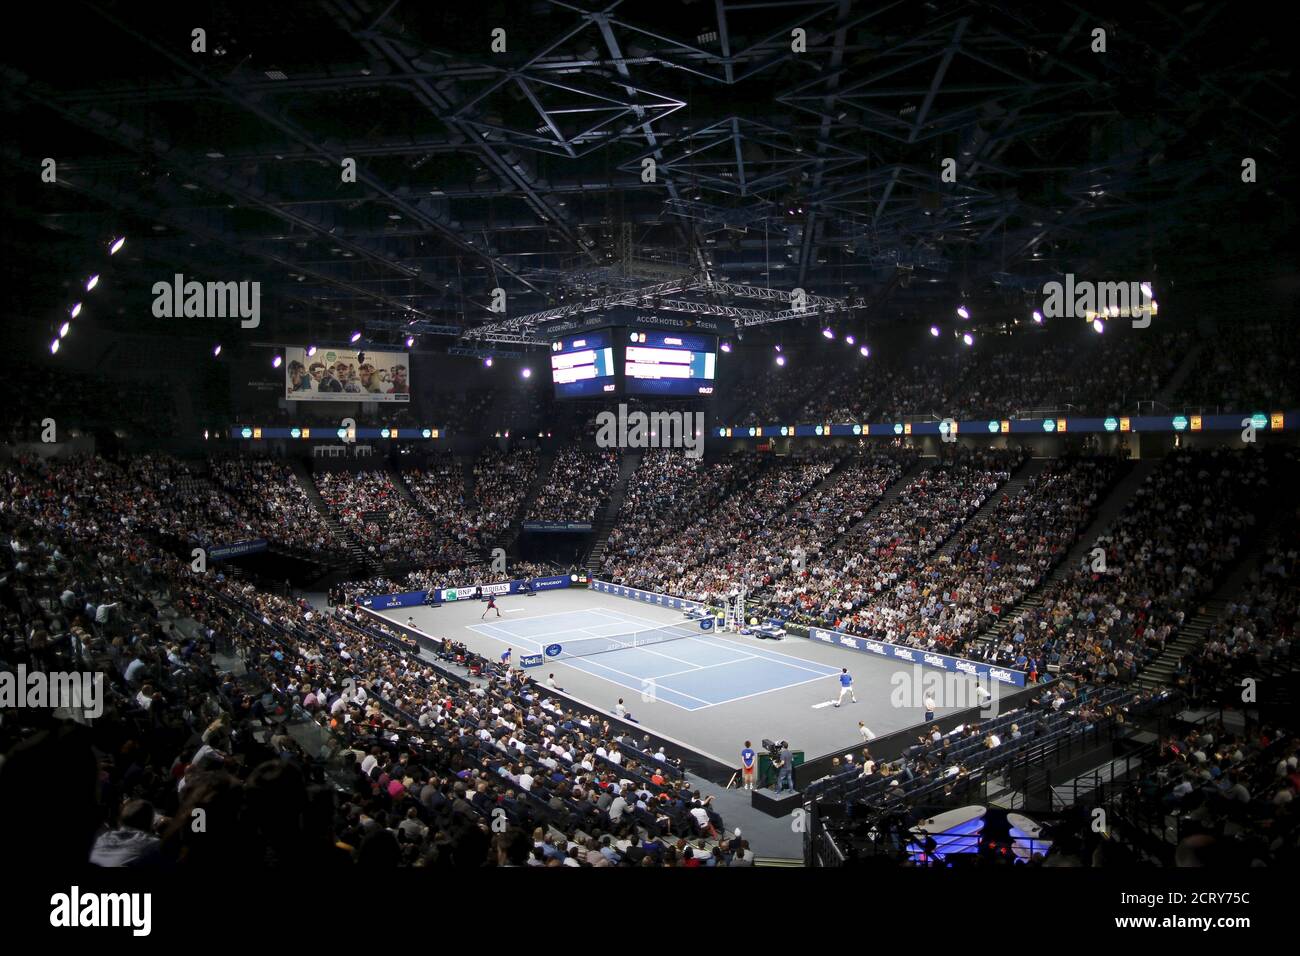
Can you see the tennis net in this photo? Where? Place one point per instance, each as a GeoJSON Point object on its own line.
{"type": "Point", "coordinates": [587, 646]}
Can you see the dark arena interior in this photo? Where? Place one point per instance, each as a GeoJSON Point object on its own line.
{"type": "Point", "coordinates": [648, 434]}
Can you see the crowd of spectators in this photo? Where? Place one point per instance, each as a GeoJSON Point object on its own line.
{"type": "Point", "coordinates": [1117, 609]}
{"type": "Point", "coordinates": [578, 486]}
{"type": "Point", "coordinates": [413, 760]}
{"type": "Point", "coordinates": [271, 490]}
{"type": "Point", "coordinates": [501, 480]}
{"type": "Point", "coordinates": [388, 527]}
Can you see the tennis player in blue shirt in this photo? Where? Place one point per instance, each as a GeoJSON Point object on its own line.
{"type": "Point", "coordinates": [846, 687]}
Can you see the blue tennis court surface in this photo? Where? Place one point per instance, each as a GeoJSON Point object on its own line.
{"type": "Point", "coordinates": [691, 673]}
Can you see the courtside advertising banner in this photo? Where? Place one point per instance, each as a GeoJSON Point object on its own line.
{"type": "Point", "coordinates": [340, 375]}
{"type": "Point", "coordinates": [914, 655]}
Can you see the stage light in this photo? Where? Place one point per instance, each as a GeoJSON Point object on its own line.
{"type": "Point", "coordinates": [527, 373]}
{"type": "Point", "coordinates": [780, 360]}
{"type": "Point", "coordinates": [117, 245]}
{"type": "Point", "coordinates": [934, 330]}
{"type": "Point", "coordinates": [850, 340]}
{"type": "Point", "coordinates": [1098, 326]}
{"type": "Point", "coordinates": [1038, 317]}
{"type": "Point", "coordinates": [76, 310]}
{"type": "Point", "coordinates": [725, 346]}
{"type": "Point", "coordinates": [968, 339]}
{"type": "Point", "coordinates": [487, 362]}
{"type": "Point", "coordinates": [963, 311]}
{"type": "Point", "coordinates": [54, 347]}
{"type": "Point", "coordinates": [216, 351]}
{"type": "Point", "coordinates": [410, 341]}
{"type": "Point", "coordinates": [311, 350]}
{"type": "Point", "coordinates": [63, 329]}
{"type": "Point", "coordinates": [275, 362]}
{"type": "Point", "coordinates": [92, 282]}
{"type": "Point", "coordinates": [864, 351]}
{"type": "Point", "coordinates": [356, 337]}
{"type": "Point", "coordinates": [828, 333]}
{"type": "Point", "coordinates": [777, 347]}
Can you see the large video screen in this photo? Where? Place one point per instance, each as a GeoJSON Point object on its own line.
{"type": "Point", "coordinates": [583, 364]}
{"type": "Point", "coordinates": [670, 363]}
{"type": "Point", "coordinates": [340, 375]}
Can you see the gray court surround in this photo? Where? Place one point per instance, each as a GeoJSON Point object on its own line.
{"type": "Point", "coordinates": [720, 730]}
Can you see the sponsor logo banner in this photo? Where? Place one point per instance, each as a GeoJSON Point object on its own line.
{"type": "Point", "coordinates": [530, 660]}
{"type": "Point", "coordinates": [914, 656]}
{"type": "Point", "coordinates": [238, 549]}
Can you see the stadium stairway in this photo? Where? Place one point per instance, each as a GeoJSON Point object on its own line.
{"type": "Point", "coordinates": [357, 555]}
{"type": "Point", "coordinates": [627, 466]}
{"type": "Point", "coordinates": [1011, 488]}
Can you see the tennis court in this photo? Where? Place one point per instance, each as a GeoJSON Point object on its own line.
{"type": "Point", "coordinates": [687, 666]}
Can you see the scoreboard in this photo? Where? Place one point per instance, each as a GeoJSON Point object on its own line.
{"type": "Point", "coordinates": [670, 363]}
{"type": "Point", "coordinates": [583, 365]}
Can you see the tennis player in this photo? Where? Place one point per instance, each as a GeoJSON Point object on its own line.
{"type": "Point", "coordinates": [846, 687]}
{"type": "Point", "coordinates": [492, 606]}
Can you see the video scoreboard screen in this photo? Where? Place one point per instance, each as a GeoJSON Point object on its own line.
{"type": "Point", "coordinates": [583, 365]}
{"type": "Point", "coordinates": [670, 363]}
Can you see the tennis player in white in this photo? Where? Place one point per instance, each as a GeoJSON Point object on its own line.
{"type": "Point", "coordinates": [846, 687]}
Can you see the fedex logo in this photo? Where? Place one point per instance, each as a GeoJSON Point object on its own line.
{"type": "Point", "coordinates": [874, 647]}
{"type": "Point", "coordinates": [903, 654]}
{"type": "Point", "coordinates": [998, 674]}
{"type": "Point", "coordinates": [935, 660]}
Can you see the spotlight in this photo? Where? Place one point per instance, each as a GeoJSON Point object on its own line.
{"type": "Point", "coordinates": [275, 362]}
{"type": "Point", "coordinates": [1098, 325]}
{"type": "Point", "coordinates": [725, 346]}
{"type": "Point", "coordinates": [850, 340]}
{"type": "Point", "coordinates": [216, 351]}
{"type": "Point", "coordinates": [780, 360]}
{"type": "Point", "coordinates": [828, 333]}
{"type": "Point", "coordinates": [864, 351]}
{"type": "Point", "coordinates": [117, 245]}
{"type": "Point", "coordinates": [311, 350]}
{"type": "Point", "coordinates": [76, 310]}
{"type": "Point", "coordinates": [963, 311]}
{"type": "Point", "coordinates": [968, 339]}
{"type": "Point", "coordinates": [54, 347]}
{"type": "Point", "coordinates": [934, 330]}
{"type": "Point", "coordinates": [92, 282]}
{"type": "Point", "coordinates": [527, 373]}
{"type": "Point", "coordinates": [1038, 317]}
{"type": "Point", "coordinates": [487, 362]}
{"type": "Point", "coordinates": [410, 341]}
{"type": "Point", "coordinates": [356, 337]}
{"type": "Point", "coordinates": [777, 347]}
{"type": "Point", "coordinates": [63, 329]}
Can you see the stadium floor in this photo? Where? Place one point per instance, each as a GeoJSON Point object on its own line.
{"type": "Point", "coordinates": [711, 693]}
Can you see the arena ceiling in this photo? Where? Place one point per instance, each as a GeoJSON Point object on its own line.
{"type": "Point", "coordinates": [526, 169]}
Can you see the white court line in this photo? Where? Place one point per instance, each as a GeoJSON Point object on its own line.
{"type": "Point", "coordinates": [799, 662]}
{"type": "Point", "coordinates": [760, 693]}
{"type": "Point", "coordinates": [643, 681]}
{"type": "Point", "coordinates": [702, 667]}
{"type": "Point", "coordinates": [762, 652]}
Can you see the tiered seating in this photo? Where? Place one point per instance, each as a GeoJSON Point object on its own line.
{"type": "Point", "coordinates": [387, 525]}
{"type": "Point", "coordinates": [577, 487]}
